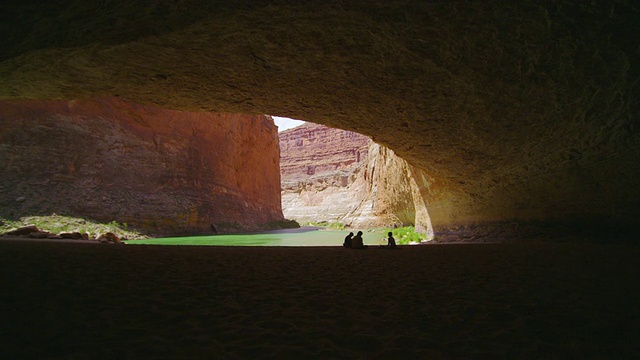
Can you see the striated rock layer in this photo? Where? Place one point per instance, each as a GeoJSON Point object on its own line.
{"type": "Point", "coordinates": [318, 167]}
{"type": "Point", "coordinates": [341, 176]}
{"type": "Point", "coordinates": [311, 149]}
{"type": "Point", "coordinates": [162, 171]}
{"type": "Point", "coordinates": [521, 111]}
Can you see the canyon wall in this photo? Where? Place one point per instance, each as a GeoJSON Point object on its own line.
{"type": "Point", "coordinates": [161, 171]}
{"type": "Point", "coordinates": [340, 176]}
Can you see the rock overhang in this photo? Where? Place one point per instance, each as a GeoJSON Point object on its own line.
{"type": "Point", "coordinates": [518, 111]}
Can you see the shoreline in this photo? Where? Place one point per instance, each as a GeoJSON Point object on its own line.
{"type": "Point", "coordinates": [28, 239]}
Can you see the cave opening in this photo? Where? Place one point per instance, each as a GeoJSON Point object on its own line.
{"type": "Point", "coordinates": [136, 168]}
{"type": "Point", "coordinates": [344, 180]}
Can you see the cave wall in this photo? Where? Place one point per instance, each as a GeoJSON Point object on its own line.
{"type": "Point", "coordinates": [519, 111]}
{"type": "Point", "coordinates": [164, 172]}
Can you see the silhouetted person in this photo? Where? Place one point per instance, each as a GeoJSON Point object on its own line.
{"type": "Point", "coordinates": [391, 242]}
{"type": "Point", "coordinates": [356, 242]}
{"type": "Point", "coordinates": [347, 240]}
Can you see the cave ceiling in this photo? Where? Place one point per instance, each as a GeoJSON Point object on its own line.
{"type": "Point", "coordinates": [524, 109]}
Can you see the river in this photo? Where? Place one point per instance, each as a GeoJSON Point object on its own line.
{"type": "Point", "coordinates": [305, 236]}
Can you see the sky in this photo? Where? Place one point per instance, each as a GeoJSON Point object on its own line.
{"type": "Point", "coordinates": [284, 123]}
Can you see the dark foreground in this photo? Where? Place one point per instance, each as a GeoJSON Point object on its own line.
{"type": "Point", "coordinates": [537, 300]}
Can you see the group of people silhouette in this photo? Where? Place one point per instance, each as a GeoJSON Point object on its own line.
{"type": "Point", "coordinates": [355, 242]}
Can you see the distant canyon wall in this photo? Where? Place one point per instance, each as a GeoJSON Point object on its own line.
{"type": "Point", "coordinates": [341, 176]}
{"type": "Point", "coordinates": [164, 172]}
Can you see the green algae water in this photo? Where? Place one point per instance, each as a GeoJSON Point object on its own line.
{"type": "Point", "coordinates": [289, 237]}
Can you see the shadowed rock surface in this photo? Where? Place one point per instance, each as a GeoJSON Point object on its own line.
{"type": "Point", "coordinates": [161, 171]}
{"type": "Point", "coordinates": [520, 111]}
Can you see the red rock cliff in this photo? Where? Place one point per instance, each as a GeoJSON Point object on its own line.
{"type": "Point", "coordinates": [163, 171]}
{"type": "Point", "coordinates": [311, 149]}
{"type": "Point", "coordinates": [341, 176]}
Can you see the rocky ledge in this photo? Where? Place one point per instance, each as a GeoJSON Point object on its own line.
{"type": "Point", "coordinates": [33, 232]}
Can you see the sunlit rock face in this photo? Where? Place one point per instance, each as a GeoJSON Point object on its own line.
{"type": "Point", "coordinates": [311, 149]}
{"type": "Point", "coordinates": [398, 190]}
{"type": "Point", "coordinates": [519, 111]}
{"type": "Point", "coordinates": [321, 172]}
{"type": "Point", "coordinates": [162, 171]}
{"type": "Point", "coordinates": [340, 176]}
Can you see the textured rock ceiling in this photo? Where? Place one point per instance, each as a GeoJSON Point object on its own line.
{"type": "Point", "coordinates": [519, 110]}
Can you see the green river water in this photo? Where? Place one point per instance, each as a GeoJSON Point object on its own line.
{"type": "Point", "coordinates": [307, 236]}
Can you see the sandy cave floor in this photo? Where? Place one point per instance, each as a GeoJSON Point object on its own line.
{"type": "Point", "coordinates": [533, 300]}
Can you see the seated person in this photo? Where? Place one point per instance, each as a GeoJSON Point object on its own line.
{"type": "Point", "coordinates": [347, 240]}
{"type": "Point", "coordinates": [356, 242]}
{"type": "Point", "coordinates": [391, 242]}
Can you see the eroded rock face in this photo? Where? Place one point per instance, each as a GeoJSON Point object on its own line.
{"type": "Point", "coordinates": [311, 149]}
{"type": "Point", "coordinates": [162, 171]}
{"type": "Point", "coordinates": [341, 176]}
{"type": "Point", "coordinates": [520, 111]}
{"type": "Point", "coordinates": [398, 190]}
{"type": "Point", "coordinates": [318, 167]}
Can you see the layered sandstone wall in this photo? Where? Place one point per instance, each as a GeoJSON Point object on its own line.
{"type": "Point", "coordinates": [318, 167]}
{"type": "Point", "coordinates": [310, 148]}
{"type": "Point", "coordinates": [162, 171]}
{"type": "Point", "coordinates": [341, 176]}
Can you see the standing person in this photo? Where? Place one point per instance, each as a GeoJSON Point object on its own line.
{"type": "Point", "coordinates": [356, 242]}
{"type": "Point", "coordinates": [347, 240]}
{"type": "Point", "coordinates": [391, 242]}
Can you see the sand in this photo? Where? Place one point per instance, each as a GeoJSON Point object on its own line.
{"type": "Point", "coordinates": [533, 300]}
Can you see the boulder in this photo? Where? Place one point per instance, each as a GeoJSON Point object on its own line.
{"type": "Point", "coordinates": [39, 234]}
{"type": "Point", "coordinates": [109, 237]}
{"type": "Point", "coordinates": [71, 235]}
{"type": "Point", "coordinates": [23, 231]}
